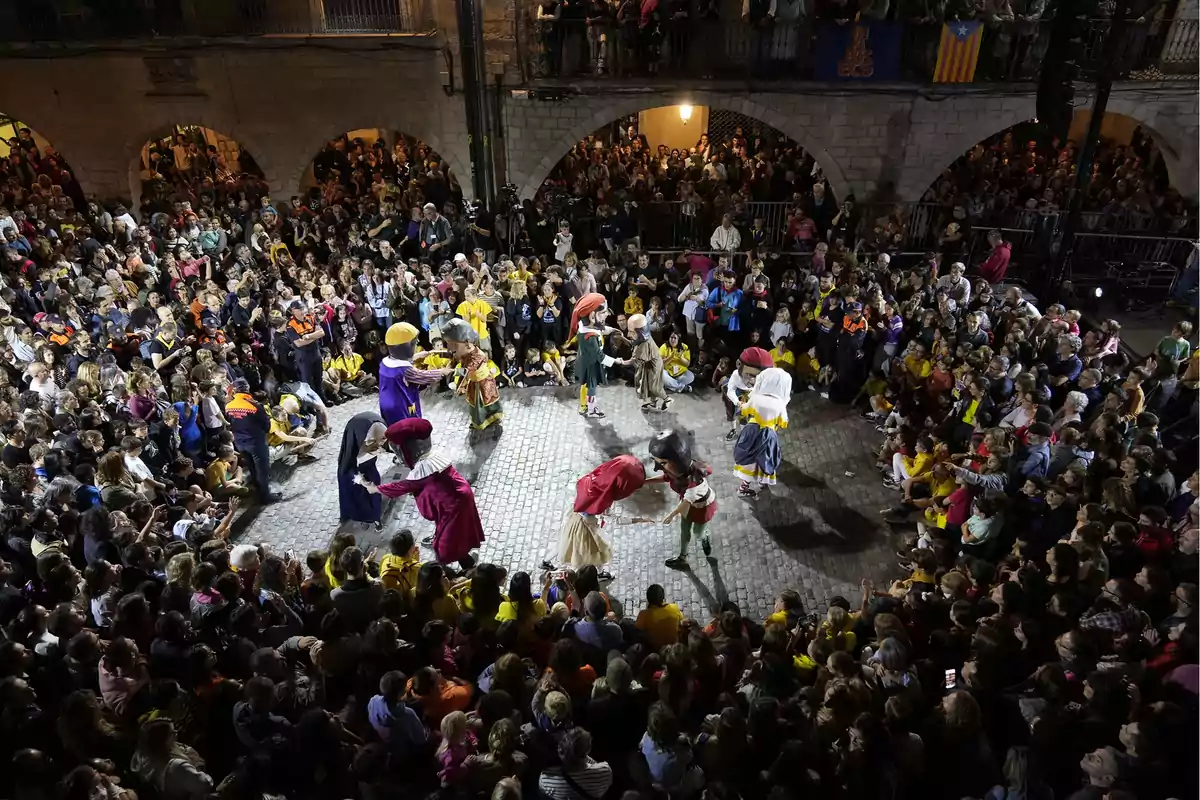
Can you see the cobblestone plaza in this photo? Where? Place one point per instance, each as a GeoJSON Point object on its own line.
{"type": "Point", "coordinates": [819, 531]}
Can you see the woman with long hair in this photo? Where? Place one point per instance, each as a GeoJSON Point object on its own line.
{"type": "Point", "coordinates": [118, 489]}
{"type": "Point", "coordinates": [432, 600]}
{"type": "Point", "coordinates": [333, 571]}
{"type": "Point", "coordinates": [522, 607]}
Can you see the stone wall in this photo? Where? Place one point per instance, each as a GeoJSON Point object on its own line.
{"type": "Point", "coordinates": [893, 142]}
{"type": "Point", "coordinates": [282, 99]}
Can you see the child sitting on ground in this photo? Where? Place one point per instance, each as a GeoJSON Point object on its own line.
{"type": "Point", "coordinates": [510, 370]}
{"type": "Point", "coordinates": [534, 373]}
{"type": "Point", "coordinates": [553, 363]}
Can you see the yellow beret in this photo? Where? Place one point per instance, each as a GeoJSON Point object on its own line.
{"type": "Point", "coordinates": [400, 333]}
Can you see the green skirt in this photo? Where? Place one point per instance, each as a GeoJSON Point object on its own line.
{"type": "Point", "coordinates": [483, 415]}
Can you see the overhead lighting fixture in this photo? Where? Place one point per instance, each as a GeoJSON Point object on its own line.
{"type": "Point", "coordinates": [685, 113]}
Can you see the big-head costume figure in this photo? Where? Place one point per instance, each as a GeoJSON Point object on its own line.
{"type": "Point", "coordinates": [671, 452]}
{"type": "Point", "coordinates": [401, 379]}
{"type": "Point", "coordinates": [475, 374]}
{"type": "Point", "coordinates": [752, 361]}
{"type": "Point", "coordinates": [441, 494]}
{"type": "Point", "coordinates": [589, 330]}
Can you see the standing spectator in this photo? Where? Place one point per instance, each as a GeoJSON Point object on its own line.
{"type": "Point", "coordinates": [726, 238]}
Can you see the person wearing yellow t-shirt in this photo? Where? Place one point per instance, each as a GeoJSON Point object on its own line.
{"type": "Point", "coordinates": [287, 444]}
{"type": "Point", "coordinates": [917, 365]}
{"type": "Point", "coordinates": [223, 477]}
{"type": "Point", "coordinates": [633, 303]}
{"type": "Point", "coordinates": [398, 568]}
{"type": "Point", "coordinates": [348, 364]}
{"type": "Point", "coordinates": [835, 628]}
{"type": "Point", "coordinates": [789, 610]}
{"type": "Point", "coordinates": [475, 313]}
{"type": "Point", "coordinates": [915, 466]}
{"type": "Point", "coordinates": [676, 359]}
{"type": "Point", "coordinates": [783, 356]}
{"type": "Point", "coordinates": [432, 359]}
{"type": "Point", "coordinates": [521, 606]}
{"type": "Point", "coordinates": [659, 620]}
{"type": "Point", "coordinates": [941, 483]}
{"type": "Point", "coordinates": [520, 275]}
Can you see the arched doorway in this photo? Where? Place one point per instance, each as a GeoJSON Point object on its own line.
{"type": "Point", "coordinates": [668, 175]}
{"type": "Point", "coordinates": [1020, 182]}
{"type": "Point", "coordinates": [375, 164]}
{"type": "Point", "coordinates": [198, 165]}
{"type": "Point", "coordinates": [1025, 171]}
{"type": "Point", "coordinates": [33, 170]}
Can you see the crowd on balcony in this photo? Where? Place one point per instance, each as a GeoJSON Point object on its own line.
{"type": "Point", "coordinates": [1041, 639]}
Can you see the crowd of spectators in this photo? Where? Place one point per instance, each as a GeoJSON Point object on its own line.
{"type": "Point", "coordinates": [187, 166]}
{"type": "Point", "coordinates": [638, 37]}
{"type": "Point", "coordinates": [1008, 182]}
{"type": "Point", "coordinates": [1040, 642]}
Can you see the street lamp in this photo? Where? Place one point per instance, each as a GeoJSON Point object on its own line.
{"type": "Point", "coordinates": [685, 113]}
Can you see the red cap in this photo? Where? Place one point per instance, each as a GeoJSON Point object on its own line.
{"type": "Point", "coordinates": [407, 429]}
{"type": "Point", "coordinates": [756, 357]}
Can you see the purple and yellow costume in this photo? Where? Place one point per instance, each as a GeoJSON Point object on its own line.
{"type": "Point", "coordinates": [400, 381]}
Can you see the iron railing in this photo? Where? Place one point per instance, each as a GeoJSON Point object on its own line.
{"type": "Point", "coordinates": [106, 20]}
{"type": "Point", "coordinates": [703, 48]}
{"type": "Point", "coordinates": [1101, 257]}
{"type": "Point", "coordinates": [913, 227]}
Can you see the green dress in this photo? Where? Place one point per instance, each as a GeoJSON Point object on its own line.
{"type": "Point", "coordinates": [589, 364]}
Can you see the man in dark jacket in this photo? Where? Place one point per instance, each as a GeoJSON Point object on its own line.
{"type": "Point", "coordinates": [250, 424]}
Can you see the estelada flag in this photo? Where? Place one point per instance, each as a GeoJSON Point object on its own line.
{"type": "Point", "coordinates": [958, 52]}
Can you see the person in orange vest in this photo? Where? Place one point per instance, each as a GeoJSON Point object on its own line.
{"type": "Point", "coordinates": [851, 365]}
{"type": "Point", "coordinates": [250, 423]}
{"type": "Point", "coordinates": [305, 335]}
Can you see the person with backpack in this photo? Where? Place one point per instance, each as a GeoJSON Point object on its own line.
{"type": "Point", "coordinates": [398, 568]}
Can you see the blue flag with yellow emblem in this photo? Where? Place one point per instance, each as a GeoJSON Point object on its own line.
{"type": "Point", "coordinates": [858, 51]}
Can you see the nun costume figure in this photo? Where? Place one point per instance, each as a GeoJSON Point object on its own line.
{"type": "Point", "coordinates": [362, 441]}
{"type": "Point", "coordinates": [442, 495]}
{"type": "Point", "coordinates": [756, 454]}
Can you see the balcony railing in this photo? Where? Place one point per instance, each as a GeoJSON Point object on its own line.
{"type": "Point", "coordinates": [37, 21]}
{"type": "Point", "coordinates": [798, 51]}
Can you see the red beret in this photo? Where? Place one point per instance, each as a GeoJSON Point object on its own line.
{"type": "Point", "coordinates": [408, 429]}
{"type": "Point", "coordinates": [756, 357]}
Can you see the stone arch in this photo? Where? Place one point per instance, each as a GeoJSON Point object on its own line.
{"type": "Point", "coordinates": [533, 161]}
{"type": "Point", "coordinates": [245, 140]}
{"type": "Point", "coordinates": [942, 142]}
{"type": "Point", "coordinates": [1173, 127]}
{"type": "Point", "coordinates": [457, 160]}
{"type": "Point", "coordinates": [936, 142]}
{"type": "Point", "coordinates": [44, 137]}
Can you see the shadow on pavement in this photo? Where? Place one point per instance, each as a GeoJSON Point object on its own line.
{"type": "Point", "coordinates": [713, 598]}
{"type": "Point", "coordinates": [825, 521]}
